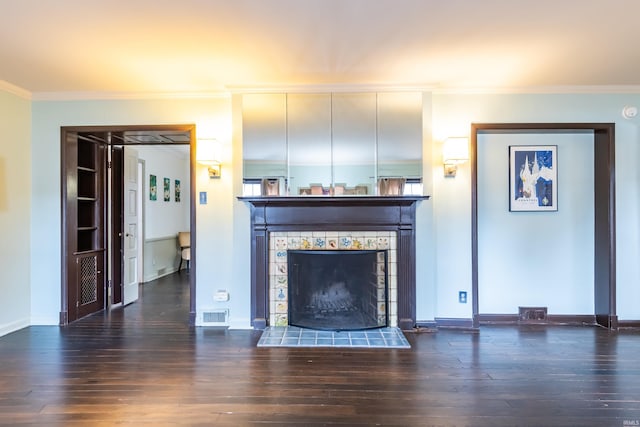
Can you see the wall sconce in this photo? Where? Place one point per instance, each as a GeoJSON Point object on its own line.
{"type": "Point", "coordinates": [455, 151]}
{"type": "Point", "coordinates": [208, 153]}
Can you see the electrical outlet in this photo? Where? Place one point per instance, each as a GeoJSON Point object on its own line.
{"type": "Point", "coordinates": [462, 297]}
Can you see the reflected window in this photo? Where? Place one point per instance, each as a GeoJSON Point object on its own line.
{"type": "Point", "coordinates": [413, 187]}
{"type": "Point", "coordinates": [251, 187]}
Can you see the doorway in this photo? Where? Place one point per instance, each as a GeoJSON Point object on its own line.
{"type": "Point", "coordinates": [604, 286]}
{"type": "Point", "coordinates": [113, 236]}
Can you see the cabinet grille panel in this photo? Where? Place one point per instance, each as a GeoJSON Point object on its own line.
{"type": "Point", "coordinates": [88, 280]}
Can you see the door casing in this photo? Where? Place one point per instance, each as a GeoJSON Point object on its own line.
{"type": "Point", "coordinates": [115, 137]}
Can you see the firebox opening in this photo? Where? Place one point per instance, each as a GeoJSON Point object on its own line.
{"type": "Point", "coordinates": [338, 290]}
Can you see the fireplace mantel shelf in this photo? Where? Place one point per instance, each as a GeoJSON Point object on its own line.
{"type": "Point", "coordinates": [315, 200]}
{"type": "Point", "coordinates": [333, 213]}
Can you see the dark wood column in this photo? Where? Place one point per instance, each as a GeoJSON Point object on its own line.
{"type": "Point", "coordinates": [396, 214]}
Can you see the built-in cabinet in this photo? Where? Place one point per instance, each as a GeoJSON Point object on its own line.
{"type": "Point", "coordinates": [84, 210]}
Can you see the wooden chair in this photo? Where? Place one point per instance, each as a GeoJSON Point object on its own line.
{"type": "Point", "coordinates": [184, 241]}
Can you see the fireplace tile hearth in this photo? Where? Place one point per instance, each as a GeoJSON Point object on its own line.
{"type": "Point", "coordinates": [293, 336]}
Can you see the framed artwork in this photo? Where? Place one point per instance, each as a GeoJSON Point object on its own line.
{"type": "Point", "coordinates": [533, 178]}
{"type": "Point", "coordinates": [167, 189]}
{"type": "Point", "coordinates": [153, 188]}
{"type": "Point", "coordinates": [177, 190]}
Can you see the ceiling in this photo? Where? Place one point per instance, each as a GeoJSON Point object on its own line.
{"type": "Point", "coordinates": [118, 47]}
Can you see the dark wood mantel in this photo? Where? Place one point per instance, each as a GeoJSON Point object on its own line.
{"type": "Point", "coordinates": [339, 213]}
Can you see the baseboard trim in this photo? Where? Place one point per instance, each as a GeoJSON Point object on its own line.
{"type": "Point", "coordinates": [513, 319]}
{"type": "Point", "coordinates": [628, 323]}
{"type": "Point", "coordinates": [454, 323]}
{"type": "Point", "coordinates": [552, 319]}
{"type": "Point", "coordinates": [158, 276]}
{"type": "Point", "coordinates": [8, 328]}
{"type": "Point", "coordinates": [426, 324]}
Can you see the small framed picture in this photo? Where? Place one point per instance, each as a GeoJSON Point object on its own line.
{"type": "Point", "coordinates": [533, 178]}
{"type": "Point", "coordinates": [177, 190]}
{"type": "Point", "coordinates": [167, 189]}
{"type": "Point", "coordinates": [153, 188]}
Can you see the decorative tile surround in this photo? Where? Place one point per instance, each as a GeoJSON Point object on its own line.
{"type": "Point", "coordinates": [280, 242]}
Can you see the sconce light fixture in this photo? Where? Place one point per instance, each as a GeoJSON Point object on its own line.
{"type": "Point", "coordinates": [455, 151]}
{"type": "Point", "coordinates": [208, 153]}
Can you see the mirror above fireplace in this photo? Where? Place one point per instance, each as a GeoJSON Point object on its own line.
{"type": "Point", "coordinates": [332, 143]}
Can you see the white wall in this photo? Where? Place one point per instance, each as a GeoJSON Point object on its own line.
{"type": "Point", "coordinates": [536, 258]}
{"type": "Point", "coordinates": [163, 220]}
{"type": "Point", "coordinates": [444, 222]}
{"type": "Point", "coordinates": [166, 218]}
{"type": "Point", "coordinates": [15, 207]}
{"type": "Point", "coordinates": [452, 115]}
{"type": "Point", "coordinates": [212, 117]}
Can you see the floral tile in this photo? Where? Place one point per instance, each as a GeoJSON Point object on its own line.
{"type": "Point", "coordinates": [281, 243]}
{"type": "Point", "coordinates": [345, 242]}
{"type": "Point", "coordinates": [306, 242]}
{"type": "Point", "coordinates": [370, 243]}
{"type": "Point", "coordinates": [383, 243]}
{"type": "Point", "coordinates": [356, 243]}
{"type": "Point", "coordinates": [319, 243]}
{"type": "Point", "coordinates": [293, 242]}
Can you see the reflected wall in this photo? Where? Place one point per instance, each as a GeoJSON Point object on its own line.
{"type": "Point", "coordinates": [332, 143]}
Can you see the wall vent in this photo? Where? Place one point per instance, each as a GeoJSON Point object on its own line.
{"type": "Point", "coordinates": [216, 317]}
{"type": "Point", "coordinates": [532, 314]}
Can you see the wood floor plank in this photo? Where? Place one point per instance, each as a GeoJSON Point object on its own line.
{"type": "Point", "coordinates": [143, 365]}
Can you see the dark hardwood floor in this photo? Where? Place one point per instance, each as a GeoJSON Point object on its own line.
{"type": "Point", "coordinates": [143, 365]}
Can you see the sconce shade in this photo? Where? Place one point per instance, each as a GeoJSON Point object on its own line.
{"type": "Point", "coordinates": [208, 153]}
{"type": "Point", "coordinates": [455, 150]}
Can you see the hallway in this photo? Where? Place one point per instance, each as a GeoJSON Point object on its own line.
{"type": "Point", "coordinates": [143, 365]}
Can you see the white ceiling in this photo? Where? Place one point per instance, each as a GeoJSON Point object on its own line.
{"type": "Point", "coordinates": [117, 47]}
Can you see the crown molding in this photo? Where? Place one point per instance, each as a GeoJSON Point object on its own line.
{"type": "Point", "coordinates": [15, 90]}
{"type": "Point", "coordinates": [108, 96]}
{"type": "Point", "coordinates": [547, 90]}
{"type": "Point", "coordinates": [232, 90]}
{"type": "Point", "coordinates": [328, 88]}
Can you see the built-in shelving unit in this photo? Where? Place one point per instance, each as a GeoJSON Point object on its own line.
{"type": "Point", "coordinates": [84, 194]}
{"type": "Point", "coordinates": [87, 185]}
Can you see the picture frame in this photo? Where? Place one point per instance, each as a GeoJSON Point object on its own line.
{"type": "Point", "coordinates": [153, 188]}
{"type": "Point", "coordinates": [167, 190]}
{"type": "Point", "coordinates": [177, 190]}
{"type": "Point", "coordinates": [533, 178]}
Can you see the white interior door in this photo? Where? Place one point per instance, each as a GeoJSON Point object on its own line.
{"type": "Point", "coordinates": [131, 229]}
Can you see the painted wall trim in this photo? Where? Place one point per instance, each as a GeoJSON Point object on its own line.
{"type": "Point", "coordinates": [15, 90]}
{"type": "Point", "coordinates": [449, 322]}
{"type": "Point", "coordinates": [10, 327]}
{"type": "Point", "coordinates": [552, 319]}
{"type": "Point", "coordinates": [108, 96]}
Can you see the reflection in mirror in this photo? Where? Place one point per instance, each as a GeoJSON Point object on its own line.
{"type": "Point", "coordinates": [264, 135]}
{"type": "Point", "coordinates": [400, 135]}
{"type": "Point", "coordinates": [354, 143]}
{"type": "Point", "coordinates": [332, 144]}
{"type": "Point", "coordinates": [309, 134]}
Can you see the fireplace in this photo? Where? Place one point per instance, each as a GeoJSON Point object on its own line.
{"type": "Point", "coordinates": [282, 224]}
{"type": "Point", "coordinates": [337, 290]}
